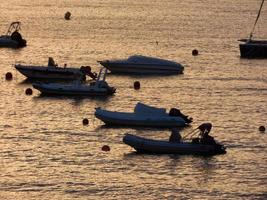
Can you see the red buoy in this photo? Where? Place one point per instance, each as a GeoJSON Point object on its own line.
{"type": "Point", "coordinates": [28, 91]}
{"type": "Point", "coordinates": [9, 76]}
{"type": "Point", "coordinates": [85, 121]}
{"type": "Point", "coordinates": [262, 129]}
{"type": "Point", "coordinates": [105, 148]}
{"type": "Point", "coordinates": [195, 52]}
{"type": "Point", "coordinates": [136, 85]}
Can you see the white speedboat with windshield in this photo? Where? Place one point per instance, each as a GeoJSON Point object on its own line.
{"type": "Point", "coordinates": [143, 65]}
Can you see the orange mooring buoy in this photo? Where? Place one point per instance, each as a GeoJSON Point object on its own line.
{"type": "Point", "coordinates": [9, 76]}
{"type": "Point", "coordinates": [137, 85]}
{"type": "Point", "coordinates": [105, 148]}
{"type": "Point", "coordinates": [28, 91]}
{"type": "Point", "coordinates": [195, 52]}
{"type": "Point", "coordinates": [85, 121]}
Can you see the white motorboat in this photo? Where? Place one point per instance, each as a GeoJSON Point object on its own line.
{"type": "Point", "coordinates": [96, 88]}
{"type": "Point", "coordinates": [53, 71]}
{"type": "Point", "coordinates": [143, 65]}
{"type": "Point", "coordinates": [13, 38]}
{"type": "Point", "coordinates": [144, 115]}
{"type": "Point", "coordinates": [144, 145]}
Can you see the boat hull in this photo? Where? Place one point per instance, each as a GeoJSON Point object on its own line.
{"type": "Point", "coordinates": [131, 119]}
{"type": "Point", "coordinates": [143, 145]}
{"type": "Point", "coordinates": [72, 91]}
{"type": "Point", "coordinates": [6, 41]}
{"type": "Point", "coordinates": [141, 69]}
{"type": "Point", "coordinates": [253, 50]}
{"type": "Point", "coordinates": [44, 72]}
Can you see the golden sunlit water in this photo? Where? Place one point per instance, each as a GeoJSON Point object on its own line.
{"type": "Point", "coordinates": [47, 153]}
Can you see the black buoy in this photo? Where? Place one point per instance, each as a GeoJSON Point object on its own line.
{"type": "Point", "coordinates": [9, 76]}
{"type": "Point", "coordinates": [85, 121]}
{"type": "Point", "coordinates": [195, 52]}
{"type": "Point", "coordinates": [28, 91]}
{"type": "Point", "coordinates": [262, 129]}
{"type": "Point", "coordinates": [67, 15]}
{"type": "Point", "coordinates": [105, 148]}
{"type": "Point", "coordinates": [136, 85]}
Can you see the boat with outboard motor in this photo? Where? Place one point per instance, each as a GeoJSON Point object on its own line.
{"type": "Point", "coordinates": [53, 71]}
{"type": "Point", "coordinates": [204, 144]}
{"type": "Point", "coordinates": [13, 38]}
{"type": "Point", "coordinates": [143, 65]}
{"type": "Point", "coordinates": [251, 48]}
{"type": "Point", "coordinates": [99, 87]}
{"type": "Point", "coordinates": [144, 145]}
{"type": "Point", "coordinates": [144, 115]}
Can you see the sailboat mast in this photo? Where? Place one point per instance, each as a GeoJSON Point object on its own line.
{"type": "Point", "coordinates": [259, 13]}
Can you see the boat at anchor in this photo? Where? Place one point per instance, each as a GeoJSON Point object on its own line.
{"type": "Point", "coordinates": [54, 72]}
{"type": "Point", "coordinates": [99, 87]}
{"type": "Point", "coordinates": [144, 115]}
{"type": "Point", "coordinates": [13, 39]}
{"type": "Point", "coordinates": [254, 48]}
{"type": "Point", "coordinates": [143, 65]}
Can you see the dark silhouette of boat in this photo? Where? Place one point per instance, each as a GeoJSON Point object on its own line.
{"type": "Point", "coordinates": [251, 48]}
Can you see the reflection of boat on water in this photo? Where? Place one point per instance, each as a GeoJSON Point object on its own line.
{"type": "Point", "coordinates": [144, 115]}
{"type": "Point", "coordinates": [52, 71]}
{"type": "Point", "coordinates": [143, 65]}
{"type": "Point", "coordinates": [13, 38]}
{"type": "Point", "coordinates": [251, 48]}
{"type": "Point", "coordinates": [144, 145]}
{"type": "Point", "coordinates": [96, 88]}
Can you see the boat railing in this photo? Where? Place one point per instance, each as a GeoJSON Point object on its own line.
{"type": "Point", "coordinates": [14, 26]}
{"type": "Point", "coordinates": [102, 74]}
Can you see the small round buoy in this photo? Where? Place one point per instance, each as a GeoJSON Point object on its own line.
{"type": "Point", "coordinates": [137, 85]}
{"type": "Point", "coordinates": [67, 15]}
{"type": "Point", "coordinates": [195, 52]}
{"type": "Point", "coordinates": [85, 121]}
{"type": "Point", "coordinates": [9, 76]}
{"type": "Point", "coordinates": [105, 148]}
{"type": "Point", "coordinates": [28, 91]}
{"type": "Point", "coordinates": [261, 128]}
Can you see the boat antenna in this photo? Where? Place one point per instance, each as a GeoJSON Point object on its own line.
{"type": "Point", "coordinates": [251, 34]}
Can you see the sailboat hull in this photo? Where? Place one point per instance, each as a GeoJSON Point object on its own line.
{"type": "Point", "coordinates": [253, 49]}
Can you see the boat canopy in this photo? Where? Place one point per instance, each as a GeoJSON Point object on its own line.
{"type": "Point", "coordinates": [143, 109]}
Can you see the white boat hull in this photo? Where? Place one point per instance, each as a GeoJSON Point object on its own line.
{"type": "Point", "coordinates": [80, 90]}
{"type": "Point", "coordinates": [141, 69]}
{"type": "Point", "coordinates": [132, 119]}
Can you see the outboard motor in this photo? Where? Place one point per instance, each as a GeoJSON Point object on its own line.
{"type": "Point", "coordinates": [87, 70]}
{"type": "Point", "coordinates": [16, 36]}
{"type": "Point", "coordinates": [177, 113]}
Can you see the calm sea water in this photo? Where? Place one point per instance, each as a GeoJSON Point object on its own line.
{"type": "Point", "coordinates": [46, 152]}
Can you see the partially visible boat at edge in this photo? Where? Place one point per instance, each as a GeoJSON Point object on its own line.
{"type": "Point", "coordinates": [53, 71]}
{"type": "Point", "coordinates": [13, 38]}
{"type": "Point", "coordinates": [96, 88]}
{"type": "Point", "coordinates": [144, 145]}
{"type": "Point", "coordinates": [144, 115]}
{"type": "Point", "coordinates": [251, 48]}
{"type": "Point", "coordinates": [143, 65]}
